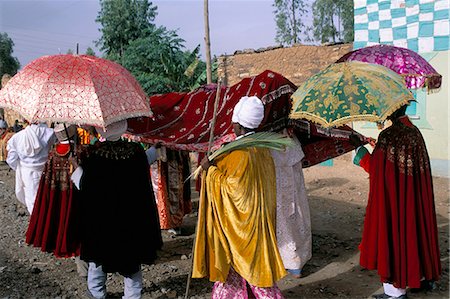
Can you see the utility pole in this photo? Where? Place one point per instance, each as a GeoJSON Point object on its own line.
{"type": "Point", "coordinates": [207, 44]}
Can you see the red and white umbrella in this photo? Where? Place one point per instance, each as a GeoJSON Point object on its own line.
{"type": "Point", "coordinates": [77, 89]}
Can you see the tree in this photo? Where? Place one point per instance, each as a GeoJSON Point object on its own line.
{"type": "Point", "coordinates": [90, 51]}
{"type": "Point", "coordinates": [123, 21]}
{"type": "Point", "coordinates": [8, 63]}
{"type": "Point", "coordinates": [154, 55]}
{"type": "Point", "coordinates": [288, 17]}
{"type": "Point", "coordinates": [331, 13]}
{"type": "Point", "coordinates": [347, 17]}
{"type": "Point", "coordinates": [160, 64]}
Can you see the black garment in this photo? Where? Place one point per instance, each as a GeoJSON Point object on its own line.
{"type": "Point", "coordinates": [120, 225]}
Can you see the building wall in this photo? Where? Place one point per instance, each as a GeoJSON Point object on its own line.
{"type": "Point", "coordinates": [297, 63]}
{"type": "Point", "coordinates": [434, 123]}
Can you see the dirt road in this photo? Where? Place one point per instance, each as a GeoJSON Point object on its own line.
{"type": "Point", "coordinates": [337, 197]}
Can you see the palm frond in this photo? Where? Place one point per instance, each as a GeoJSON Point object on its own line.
{"type": "Point", "coordinates": [268, 140]}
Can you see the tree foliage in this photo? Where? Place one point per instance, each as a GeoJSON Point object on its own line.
{"type": "Point", "coordinates": [124, 21]}
{"type": "Point", "coordinates": [288, 17]}
{"type": "Point", "coordinates": [155, 55]}
{"type": "Point", "coordinates": [329, 15]}
{"type": "Point", "coordinates": [8, 64]}
{"type": "Point", "coordinates": [90, 51]}
{"type": "Point", "coordinates": [160, 63]}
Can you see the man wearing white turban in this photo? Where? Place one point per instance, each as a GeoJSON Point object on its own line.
{"type": "Point", "coordinates": [119, 221]}
{"type": "Point", "coordinates": [236, 237]}
{"type": "Point", "coordinates": [27, 153]}
{"type": "Point", "coordinates": [248, 112]}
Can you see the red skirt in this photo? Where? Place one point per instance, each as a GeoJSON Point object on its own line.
{"type": "Point", "coordinates": [54, 222]}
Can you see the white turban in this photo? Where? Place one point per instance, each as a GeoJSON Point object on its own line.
{"type": "Point", "coordinates": [248, 112]}
{"type": "Point", "coordinates": [114, 130]}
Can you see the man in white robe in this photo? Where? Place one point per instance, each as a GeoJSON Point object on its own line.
{"type": "Point", "coordinates": [293, 217]}
{"type": "Point", "coordinates": [27, 153]}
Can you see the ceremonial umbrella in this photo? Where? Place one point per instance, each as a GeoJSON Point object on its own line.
{"type": "Point", "coordinates": [79, 89]}
{"type": "Point", "coordinates": [407, 63]}
{"type": "Point", "coordinates": [350, 91]}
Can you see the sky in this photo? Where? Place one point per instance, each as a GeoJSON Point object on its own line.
{"type": "Point", "coordinates": [53, 26]}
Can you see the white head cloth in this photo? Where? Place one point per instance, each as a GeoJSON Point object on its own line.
{"type": "Point", "coordinates": [114, 130]}
{"type": "Point", "coordinates": [248, 112]}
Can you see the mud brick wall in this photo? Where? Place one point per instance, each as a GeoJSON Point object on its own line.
{"type": "Point", "coordinates": [297, 63]}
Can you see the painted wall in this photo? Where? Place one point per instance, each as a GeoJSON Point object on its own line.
{"type": "Point", "coordinates": [424, 27]}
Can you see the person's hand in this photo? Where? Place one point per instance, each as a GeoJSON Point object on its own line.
{"type": "Point", "coordinates": [354, 140]}
{"type": "Point", "coordinates": [371, 141]}
{"type": "Point", "coordinates": [73, 162]}
{"type": "Point", "coordinates": [205, 163]}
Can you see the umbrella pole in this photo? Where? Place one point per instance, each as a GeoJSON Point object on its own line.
{"type": "Point", "coordinates": [210, 143]}
{"type": "Point", "coordinates": [68, 137]}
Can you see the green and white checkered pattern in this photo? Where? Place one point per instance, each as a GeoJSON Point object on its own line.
{"type": "Point", "coordinates": [419, 25]}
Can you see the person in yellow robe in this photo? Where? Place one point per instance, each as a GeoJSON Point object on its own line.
{"type": "Point", "coordinates": [236, 234]}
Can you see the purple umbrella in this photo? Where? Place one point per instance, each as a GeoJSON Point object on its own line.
{"type": "Point", "coordinates": [407, 63]}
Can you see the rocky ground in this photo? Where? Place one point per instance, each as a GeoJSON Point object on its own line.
{"type": "Point", "coordinates": [337, 197]}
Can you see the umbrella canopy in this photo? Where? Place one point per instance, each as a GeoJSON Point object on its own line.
{"type": "Point", "coordinates": [78, 89]}
{"type": "Point", "coordinates": [350, 91]}
{"type": "Point", "coordinates": [414, 68]}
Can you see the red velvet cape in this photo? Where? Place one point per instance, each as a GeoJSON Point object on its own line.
{"type": "Point", "coordinates": [400, 237]}
{"type": "Point", "coordinates": [54, 222]}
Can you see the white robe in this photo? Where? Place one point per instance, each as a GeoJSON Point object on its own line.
{"type": "Point", "coordinates": [27, 154]}
{"type": "Point", "coordinates": [293, 217]}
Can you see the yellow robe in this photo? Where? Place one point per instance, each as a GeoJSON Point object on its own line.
{"type": "Point", "coordinates": [236, 225]}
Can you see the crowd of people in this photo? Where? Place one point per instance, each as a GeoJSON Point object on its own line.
{"type": "Point", "coordinates": [100, 198]}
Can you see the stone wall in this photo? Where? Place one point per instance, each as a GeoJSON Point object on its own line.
{"type": "Point", "coordinates": [297, 63]}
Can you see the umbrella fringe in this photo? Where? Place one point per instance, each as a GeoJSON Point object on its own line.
{"type": "Point", "coordinates": [273, 95]}
{"type": "Point", "coordinates": [342, 121]}
{"type": "Point", "coordinates": [92, 122]}
{"type": "Point", "coordinates": [432, 81]}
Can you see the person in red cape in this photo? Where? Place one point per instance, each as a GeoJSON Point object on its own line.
{"type": "Point", "coordinates": [53, 224]}
{"type": "Point", "coordinates": [400, 237]}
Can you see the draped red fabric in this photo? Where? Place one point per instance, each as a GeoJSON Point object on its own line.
{"type": "Point", "coordinates": [182, 120]}
{"type": "Point", "coordinates": [400, 237]}
{"type": "Point", "coordinates": [53, 224]}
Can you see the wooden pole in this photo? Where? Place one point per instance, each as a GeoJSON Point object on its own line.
{"type": "Point", "coordinates": [210, 143]}
{"type": "Point", "coordinates": [207, 44]}
{"type": "Point", "coordinates": [213, 121]}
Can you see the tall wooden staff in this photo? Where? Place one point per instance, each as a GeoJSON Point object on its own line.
{"type": "Point", "coordinates": [210, 143]}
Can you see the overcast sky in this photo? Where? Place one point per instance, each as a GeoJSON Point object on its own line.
{"type": "Point", "coordinates": [53, 26]}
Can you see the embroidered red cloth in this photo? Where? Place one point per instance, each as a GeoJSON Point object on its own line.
{"type": "Point", "coordinates": [182, 120]}
{"type": "Point", "coordinates": [400, 237]}
{"type": "Point", "coordinates": [54, 223]}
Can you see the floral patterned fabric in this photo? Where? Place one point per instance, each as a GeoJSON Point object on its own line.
{"type": "Point", "coordinates": [236, 288]}
{"type": "Point", "coordinates": [79, 89]}
{"type": "Point", "coordinates": [293, 218]}
{"type": "Point", "coordinates": [413, 67]}
{"type": "Point", "coordinates": [350, 91]}
{"type": "Point", "coordinates": [172, 191]}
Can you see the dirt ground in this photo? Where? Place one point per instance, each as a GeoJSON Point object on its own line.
{"type": "Point", "coordinates": [337, 198]}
